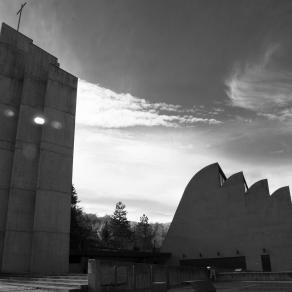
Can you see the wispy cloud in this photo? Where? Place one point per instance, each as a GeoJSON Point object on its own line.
{"type": "Point", "coordinates": [104, 108]}
{"type": "Point", "coordinates": [281, 115]}
{"type": "Point", "coordinates": [262, 87]}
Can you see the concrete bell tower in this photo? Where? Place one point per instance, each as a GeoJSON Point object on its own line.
{"type": "Point", "coordinates": [37, 121]}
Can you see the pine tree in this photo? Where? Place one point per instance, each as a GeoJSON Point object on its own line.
{"type": "Point", "coordinates": [120, 227]}
{"type": "Point", "coordinates": [106, 235]}
{"type": "Point", "coordinates": [144, 234]}
{"type": "Point", "coordinates": [82, 236]}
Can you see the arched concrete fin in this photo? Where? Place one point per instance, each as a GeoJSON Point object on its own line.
{"type": "Point", "coordinates": [200, 184]}
{"type": "Point", "coordinates": [282, 194]}
{"type": "Point", "coordinates": [235, 179]}
{"type": "Point", "coordinates": [260, 187]}
{"type": "Point", "coordinates": [209, 175]}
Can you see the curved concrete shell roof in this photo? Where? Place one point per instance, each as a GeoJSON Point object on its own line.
{"type": "Point", "coordinates": [282, 194]}
{"type": "Point", "coordinates": [260, 186]}
{"type": "Point", "coordinates": [208, 175]}
{"type": "Point", "coordinates": [219, 215]}
{"type": "Point", "coordinates": [235, 179]}
{"type": "Point", "coordinates": [280, 191]}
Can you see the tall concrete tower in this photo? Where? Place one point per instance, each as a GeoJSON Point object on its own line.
{"type": "Point", "coordinates": [37, 121]}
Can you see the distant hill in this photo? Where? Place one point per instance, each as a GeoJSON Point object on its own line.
{"type": "Point", "coordinates": [159, 229]}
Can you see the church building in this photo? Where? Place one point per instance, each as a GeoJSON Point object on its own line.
{"type": "Point", "coordinates": [221, 222]}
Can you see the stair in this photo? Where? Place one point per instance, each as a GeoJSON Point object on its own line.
{"type": "Point", "coordinates": [60, 283]}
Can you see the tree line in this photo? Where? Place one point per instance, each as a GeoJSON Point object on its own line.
{"type": "Point", "coordinates": [89, 232]}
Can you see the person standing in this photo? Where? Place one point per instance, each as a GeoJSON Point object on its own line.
{"type": "Point", "coordinates": [213, 273]}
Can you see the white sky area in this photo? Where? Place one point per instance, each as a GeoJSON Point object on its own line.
{"type": "Point", "coordinates": [126, 149]}
{"type": "Point", "coordinates": [145, 168]}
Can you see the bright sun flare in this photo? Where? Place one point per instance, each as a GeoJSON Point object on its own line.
{"type": "Point", "coordinates": [39, 120]}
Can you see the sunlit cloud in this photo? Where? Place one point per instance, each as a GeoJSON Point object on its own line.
{"type": "Point", "coordinates": [281, 115]}
{"type": "Point", "coordinates": [262, 87]}
{"type": "Point", "coordinates": [104, 108]}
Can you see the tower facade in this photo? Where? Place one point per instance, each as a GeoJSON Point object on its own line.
{"type": "Point", "coordinates": [37, 121]}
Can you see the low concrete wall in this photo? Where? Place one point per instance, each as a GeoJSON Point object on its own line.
{"type": "Point", "coordinates": [255, 276]}
{"type": "Point", "coordinates": [110, 276]}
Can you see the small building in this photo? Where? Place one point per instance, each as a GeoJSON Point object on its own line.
{"type": "Point", "coordinates": [221, 222]}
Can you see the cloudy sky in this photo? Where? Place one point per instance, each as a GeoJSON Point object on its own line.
{"type": "Point", "coordinates": [167, 87]}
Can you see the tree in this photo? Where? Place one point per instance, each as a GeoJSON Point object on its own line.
{"type": "Point", "coordinates": [106, 235]}
{"type": "Point", "coordinates": [144, 234]}
{"type": "Point", "coordinates": [74, 198]}
{"type": "Point", "coordinates": [159, 233]}
{"type": "Point", "coordinates": [120, 227]}
{"type": "Point", "coordinates": [82, 235]}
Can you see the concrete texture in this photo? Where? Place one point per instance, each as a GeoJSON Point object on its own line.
{"type": "Point", "coordinates": [35, 160]}
{"type": "Point", "coordinates": [219, 218]}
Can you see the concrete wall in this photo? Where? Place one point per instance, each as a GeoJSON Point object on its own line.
{"type": "Point", "coordinates": [35, 160]}
{"type": "Point", "coordinates": [230, 219]}
{"type": "Point", "coordinates": [256, 276]}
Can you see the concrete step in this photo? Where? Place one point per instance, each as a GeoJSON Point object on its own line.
{"type": "Point", "coordinates": [42, 287]}
{"type": "Point", "coordinates": [10, 288]}
{"type": "Point", "coordinates": [47, 282]}
{"type": "Point", "coordinates": [82, 277]}
{"type": "Point", "coordinates": [60, 280]}
{"type": "Point", "coordinates": [62, 283]}
{"type": "Point", "coordinates": [65, 276]}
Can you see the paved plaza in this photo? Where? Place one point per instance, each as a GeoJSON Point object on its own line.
{"type": "Point", "coordinates": [254, 286]}
{"type": "Point", "coordinates": [248, 286]}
